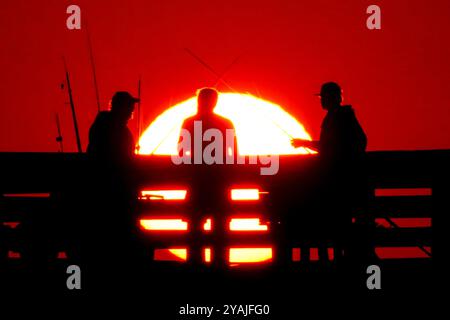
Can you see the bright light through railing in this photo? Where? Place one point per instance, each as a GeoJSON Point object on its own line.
{"type": "Point", "coordinates": [244, 194]}
{"type": "Point", "coordinates": [249, 255]}
{"type": "Point", "coordinates": [177, 224]}
{"type": "Point", "coordinates": [164, 224]}
{"type": "Point", "coordinates": [163, 194]}
{"type": "Point", "coordinates": [253, 224]}
{"type": "Point", "coordinates": [207, 255]}
{"type": "Point", "coordinates": [180, 253]}
{"type": "Point", "coordinates": [207, 226]}
{"type": "Point", "coordinates": [236, 255]}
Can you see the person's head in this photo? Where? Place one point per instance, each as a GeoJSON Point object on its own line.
{"type": "Point", "coordinates": [207, 100]}
{"type": "Point", "coordinates": [330, 95]}
{"type": "Point", "coordinates": [122, 105]}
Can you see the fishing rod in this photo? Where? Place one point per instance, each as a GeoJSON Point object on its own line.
{"type": "Point", "coordinates": [59, 138]}
{"type": "Point", "coordinates": [165, 137]}
{"type": "Point", "coordinates": [139, 122]}
{"type": "Point", "coordinates": [278, 126]}
{"type": "Point", "coordinates": [72, 107]}
{"type": "Point", "coordinates": [396, 226]}
{"type": "Point", "coordinates": [94, 74]}
{"type": "Point", "coordinates": [219, 79]}
{"type": "Point", "coordinates": [291, 137]}
{"type": "Point", "coordinates": [204, 64]}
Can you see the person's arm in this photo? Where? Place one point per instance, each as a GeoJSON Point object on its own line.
{"type": "Point", "coordinates": [298, 143]}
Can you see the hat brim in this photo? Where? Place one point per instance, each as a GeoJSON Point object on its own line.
{"type": "Point", "coordinates": [132, 99]}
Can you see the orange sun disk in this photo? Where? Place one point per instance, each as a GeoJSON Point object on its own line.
{"type": "Point", "coordinates": [262, 127]}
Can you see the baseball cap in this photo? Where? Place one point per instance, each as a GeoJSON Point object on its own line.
{"type": "Point", "coordinates": [329, 88]}
{"type": "Point", "coordinates": [121, 97]}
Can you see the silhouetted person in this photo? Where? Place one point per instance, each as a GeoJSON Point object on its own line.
{"type": "Point", "coordinates": [112, 221]}
{"type": "Point", "coordinates": [342, 175]}
{"type": "Point", "coordinates": [206, 118]}
{"type": "Point", "coordinates": [110, 140]}
{"type": "Point", "coordinates": [209, 185]}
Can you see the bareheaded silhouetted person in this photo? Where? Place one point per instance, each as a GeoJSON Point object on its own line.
{"type": "Point", "coordinates": [206, 118]}
{"type": "Point", "coordinates": [343, 190]}
{"type": "Point", "coordinates": [208, 196]}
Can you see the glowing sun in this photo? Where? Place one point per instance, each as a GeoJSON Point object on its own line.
{"type": "Point", "coordinates": [262, 127]}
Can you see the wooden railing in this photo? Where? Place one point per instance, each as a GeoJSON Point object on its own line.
{"type": "Point", "coordinates": [31, 209]}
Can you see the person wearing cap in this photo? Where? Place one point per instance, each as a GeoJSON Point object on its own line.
{"type": "Point", "coordinates": [110, 231]}
{"type": "Point", "coordinates": [341, 135]}
{"type": "Point", "coordinates": [110, 140]}
{"type": "Point", "coordinates": [341, 153]}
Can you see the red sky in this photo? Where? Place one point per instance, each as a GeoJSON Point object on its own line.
{"type": "Point", "coordinates": [397, 78]}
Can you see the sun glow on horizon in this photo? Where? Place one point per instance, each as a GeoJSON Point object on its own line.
{"type": "Point", "coordinates": [262, 127]}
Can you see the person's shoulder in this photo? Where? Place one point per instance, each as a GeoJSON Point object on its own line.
{"type": "Point", "coordinates": [101, 120]}
{"type": "Point", "coordinates": [190, 120]}
{"type": "Point", "coordinates": [102, 117]}
{"type": "Point", "coordinates": [347, 111]}
{"type": "Point", "coordinates": [103, 114]}
{"type": "Point", "coordinates": [193, 118]}
{"type": "Point", "coordinates": [225, 121]}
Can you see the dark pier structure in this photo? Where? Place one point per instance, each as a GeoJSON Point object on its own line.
{"type": "Point", "coordinates": [409, 197]}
